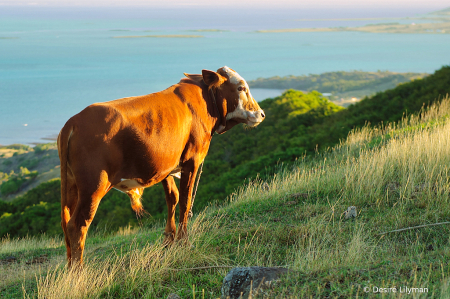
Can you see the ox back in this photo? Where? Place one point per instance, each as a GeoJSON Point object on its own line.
{"type": "Point", "coordinates": [133, 143]}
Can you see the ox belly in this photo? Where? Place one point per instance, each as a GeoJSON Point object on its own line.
{"type": "Point", "coordinates": [129, 185]}
{"type": "Point", "coordinates": [126, 185]}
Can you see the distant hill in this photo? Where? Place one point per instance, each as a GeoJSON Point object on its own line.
{"type": "Point", "coordinates": [445, 12]}
{"type": "Point", "coordinates": [342, 85]}
{"type": "Point", "coordinates": [433, 23]}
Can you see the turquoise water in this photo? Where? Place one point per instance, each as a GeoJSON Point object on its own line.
{"type": "Point", "coordinates": [54, 65]}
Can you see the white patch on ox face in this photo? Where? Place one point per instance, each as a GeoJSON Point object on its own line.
{"type": "Point", "coordinates": [239, 112]}
{"type": "Point", "coordinates": [252, 118]}
{"type": "Point", "coordinates": [234, 77]}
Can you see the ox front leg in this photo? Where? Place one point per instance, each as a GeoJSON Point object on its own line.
{"type": "Point", "coordinates": [188, 174]}
{"type": "Point", "coordinates": [172, 196]}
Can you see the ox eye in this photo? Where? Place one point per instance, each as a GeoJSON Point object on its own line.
{"type": "Point", "coordinates": [241, 88]}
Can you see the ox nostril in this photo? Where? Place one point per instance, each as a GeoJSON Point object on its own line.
{"type": "Point", "coordinates": [262, 115]}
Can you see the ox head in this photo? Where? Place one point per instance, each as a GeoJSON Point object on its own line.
{"type": "Point", "coordinates": [233, 98]}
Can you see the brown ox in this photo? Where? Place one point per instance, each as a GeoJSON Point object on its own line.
{"type": "Point", "coordinates": [133, 143]}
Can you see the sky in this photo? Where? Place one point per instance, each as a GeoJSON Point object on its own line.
{"type": "Point", "coordinates": [435, 4]}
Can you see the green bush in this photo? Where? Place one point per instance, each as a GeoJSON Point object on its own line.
{"type": "Point", "coordinates": [29, 163]}
{"type": "Point", "coordinates": [7, 162]}
{"type": "Point", "coordinates": [11, 186]}
{"type": "Point", "coordinates": [41, 147]}
{"type": "Point", "coordinates": [15, 181]}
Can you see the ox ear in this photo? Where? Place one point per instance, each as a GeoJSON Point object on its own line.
{"type": "Point", "coordinates": [194, 77]}
{"type": "Point", "coordinates": [212, 78]}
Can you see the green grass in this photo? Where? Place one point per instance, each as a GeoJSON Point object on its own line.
{"type": "Point", "coordinates": [296, 222]}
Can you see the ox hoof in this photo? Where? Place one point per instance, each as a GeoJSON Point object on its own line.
{"type": "Point", "coordinates": [75, 266]}
{"type": "Point", "coordinates": [184, 242]}
{"type": "Point", "coordinates": [169, 239]}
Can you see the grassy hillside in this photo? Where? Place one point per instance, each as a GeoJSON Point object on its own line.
{"type": "Point", "coordinates": [342, 85]}
{"type": "Point", "coordinates": [287, 134]}
{"type": "Point", "coordinates": [397, 176]}
{"type": "Point", "coordinates": [297, 124]}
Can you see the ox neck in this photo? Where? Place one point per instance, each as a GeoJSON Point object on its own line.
{"type": "Point", "coordinates": [219, 117]}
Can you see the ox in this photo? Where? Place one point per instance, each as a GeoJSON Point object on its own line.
{"type": "Point", "coordinates": [133, 143]}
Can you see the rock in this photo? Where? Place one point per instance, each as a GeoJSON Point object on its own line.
{"type": "Point", "coordinates": [392, 187]}
{"type": "Point", "coordinates": [38, 260]}
{"type": "Point", "coordinates": [173, 296]}
{"type": "Point", "coordinates": [8, 260]}
{"type": "Point", "coordinates": [351, 212]}
{"type": "Point", "coordinates": [299, 195]}
{"type": "Point", "coordinates": [239, 280]}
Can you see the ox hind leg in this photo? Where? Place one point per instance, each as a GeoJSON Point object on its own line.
{"type": "Point", "coordinates": [89, 197]}
{"type": "Point", "coordinates": [172, 196]}
{"type": "Point", "coordinates": [68, 204]}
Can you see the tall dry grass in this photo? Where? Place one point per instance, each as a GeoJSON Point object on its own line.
{"type": "Point", "coordinates": [137, 273]}
{"type": "Point", "coordinates": [9, 245]}
{"type": "Point", "coordinates": [398, 165]}
{"type": "Point", "coordinates": [405, 158]}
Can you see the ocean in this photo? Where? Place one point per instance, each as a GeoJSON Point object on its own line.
{"type": "Point", "coordinates": [56, 61]}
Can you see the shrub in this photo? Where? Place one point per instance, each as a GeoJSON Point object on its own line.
{"type": "Point", "coordinates": [11, 186]}
{"type": "Point", "coordinates": [15, 181]}
{"type": "Point", "coordinates": [7, 162]}
{"type": "Point", "coordinates": [39, 148]}
{"type": "Point", "coordinates": [30, 163]}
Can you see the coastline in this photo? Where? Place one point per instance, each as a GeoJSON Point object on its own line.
{"type": "Point", "coordinates": [161, 36]}
{"type": "Point", "coordinates": [438, 23]}
{"type": "Point", "coordinates": [413, 28]}
{"type": "Point", "coordinates": [32, 141]}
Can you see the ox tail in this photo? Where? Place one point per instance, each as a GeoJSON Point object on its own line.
{"type": "Point", "coordinates": [136, 203]}
{"type": "Point", "coordinates": [63, 144]}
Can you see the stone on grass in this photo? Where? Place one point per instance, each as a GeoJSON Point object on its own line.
{"type": "Point", "coordinates": [351, 212]}
{"type": "Point", "coordinates": [243, 282]}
